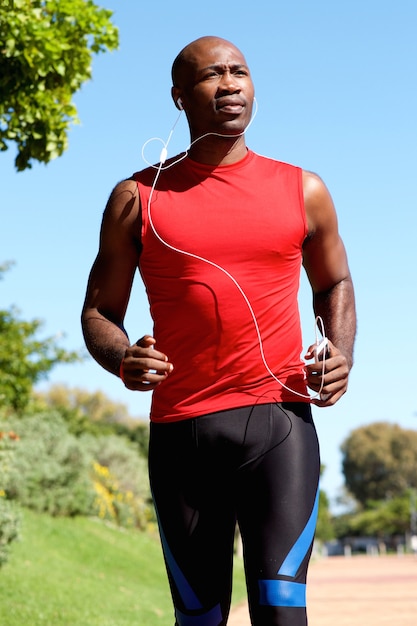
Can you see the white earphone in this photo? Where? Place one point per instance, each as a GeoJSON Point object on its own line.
{"type": "Point", "coordinates": [159, 169]}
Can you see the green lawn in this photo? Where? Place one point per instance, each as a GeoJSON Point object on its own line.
{"type": "Point", "coordinates": [80, 572]}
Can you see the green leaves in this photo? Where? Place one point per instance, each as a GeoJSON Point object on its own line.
{"type": "Point", "coordinates": [46, 53]}
{"type": "Point", "coordinates": [24, 359]}
{"type": "Point", "coordinates": [379, 461]}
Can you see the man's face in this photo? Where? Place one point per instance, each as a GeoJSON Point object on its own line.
{"type": "Point", "coordinates": [216, 88]}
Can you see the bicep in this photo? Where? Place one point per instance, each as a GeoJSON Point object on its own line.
{"type": "Point", "coordinates": [324, 254]}
{"type": "Point", "coordinates": [112, 274]}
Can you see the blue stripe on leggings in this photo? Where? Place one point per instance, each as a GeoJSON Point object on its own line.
{"type": "Point", "coordinates": [185, 590]}
{"type": "Point", "coordinates": [299, 550]}
{"type": "Point", "coordinates": [211, 618]}
{"type": "Point", "coordinates": [281, 593]}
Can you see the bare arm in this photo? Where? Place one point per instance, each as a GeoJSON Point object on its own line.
{"type": "Point", "coordinates": [108, 291]}
{"type": "Point", "coordinates": [325, 261]}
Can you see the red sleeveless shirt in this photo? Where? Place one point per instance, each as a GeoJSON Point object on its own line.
{"type": "Point", "coordinates": [227, 317]}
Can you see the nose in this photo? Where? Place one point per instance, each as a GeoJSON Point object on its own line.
{"type": "Point", "coordinates": [228, 83]}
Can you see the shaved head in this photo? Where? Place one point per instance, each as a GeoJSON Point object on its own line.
{"type": "Point", "coordinates": [187, 58]}
{"type": "Point", "coordinates": [213, 86]}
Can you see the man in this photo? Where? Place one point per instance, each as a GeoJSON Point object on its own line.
{"type": "Point", "coordinates": [219, 235]}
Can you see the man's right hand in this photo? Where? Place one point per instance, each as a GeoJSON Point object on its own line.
{"type": "Point", "coordinates": [143, 368]}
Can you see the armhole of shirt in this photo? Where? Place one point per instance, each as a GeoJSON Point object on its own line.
{"type": "Point", "coordinates": [143, 211]}
{"type": "Point", "coordinates": [301, 201]}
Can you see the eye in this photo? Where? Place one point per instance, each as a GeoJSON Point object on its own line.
{"type": "Point", "coordinates": [211, 74]}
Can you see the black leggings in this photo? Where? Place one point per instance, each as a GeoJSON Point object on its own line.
{"type": "Point", "coordinates": [259, 465]}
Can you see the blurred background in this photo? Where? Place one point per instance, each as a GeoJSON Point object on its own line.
{"type": "Point", "coordinates": [336, 91]}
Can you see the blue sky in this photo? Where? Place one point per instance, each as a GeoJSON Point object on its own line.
{"type": "Point", "coordinates": [337, 94]}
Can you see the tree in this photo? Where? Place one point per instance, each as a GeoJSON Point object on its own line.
{"type": "Point", "coordinates": [24, 359]}
{"type": "Point", "coordinates": [383, 518]}
{"type": "Point", "coordinates": [93, 412]}
{"type": "Point", "coordinates": [85, 411]}
{"type": "Point", "coordinates": [379, 461]}
{"type": "Point", "coordinates": [324, 528]}
{"type": "Point", "coordinates": [46, 52]}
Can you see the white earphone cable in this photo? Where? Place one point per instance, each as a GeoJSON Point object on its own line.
{"type": "Point", "coordinates": [159, 169]}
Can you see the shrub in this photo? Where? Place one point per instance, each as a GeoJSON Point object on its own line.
{"type": "Point", "coordinates": [120, 479]}
{"type": "Point", "coordinates": [120, 507]}
{"type": "Point", "coordinates": [9, 517]}
{"type": "Point", "coordinates": [61, 474]}
{"type": "Point", "coordinates": [51, 469]}
{"type": "Point", "coordinates": [9, 527]}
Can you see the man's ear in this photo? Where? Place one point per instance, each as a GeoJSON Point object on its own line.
{"type": "Point", "coordinates": [176, 96]}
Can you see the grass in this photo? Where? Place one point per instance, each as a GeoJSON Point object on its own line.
{"type": "Point", "coordinates": [81, 572]}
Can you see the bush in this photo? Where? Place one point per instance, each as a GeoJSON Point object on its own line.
{"type": "Point", "coordinates": [61, 474]}
{"type": "Point", "coordinates": [9, 518]}
{"type": "Point", "coordinates": [120, 480]}
{"type": "Point", "coordinates": [9, 528]}
{"type": "Point", "coordinates": [51, 469]}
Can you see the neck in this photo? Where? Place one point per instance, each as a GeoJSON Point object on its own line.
{"type": "Point", "coordinates": [214, 150]}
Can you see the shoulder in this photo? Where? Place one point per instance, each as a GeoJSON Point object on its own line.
{"type": "Point", "coordinates": [123, 192]}
{"type": "Point", "coordinates": [124, 202]}
{"type": "Point", "coordinates": [122, 215]}
{"type": "Point", "coordinates": [263, 161]}
{"type": "Point", "coordinates": [281, 172]}
{"type": "Point", "coordinates": [319, 207]}
{"type": "Point", "coordinates": [314, 187]}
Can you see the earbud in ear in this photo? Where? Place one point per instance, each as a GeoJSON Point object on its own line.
{"type": "Point", "coordinates": [179, 104]}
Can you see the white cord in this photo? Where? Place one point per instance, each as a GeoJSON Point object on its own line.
{"type": "Point", "coordinates": [164, 151]}
{"type": "Point", "coordinates": [246, 299]}
{"type": "Point", "coordinates": [319, 326]}
{"type": "Point", "coordinates": [160, 168]}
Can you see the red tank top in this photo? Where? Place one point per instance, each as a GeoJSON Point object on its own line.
{"type": "Point", "coordinates": [248, 220]}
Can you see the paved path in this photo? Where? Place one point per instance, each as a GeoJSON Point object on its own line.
{"type": "Point", "coordinates": [357, 591]}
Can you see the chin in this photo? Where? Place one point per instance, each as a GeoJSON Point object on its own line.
{"type": "Point", "coordinates": [237, 125]}
{"type": "Point", "coordinates": [233, 129]}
